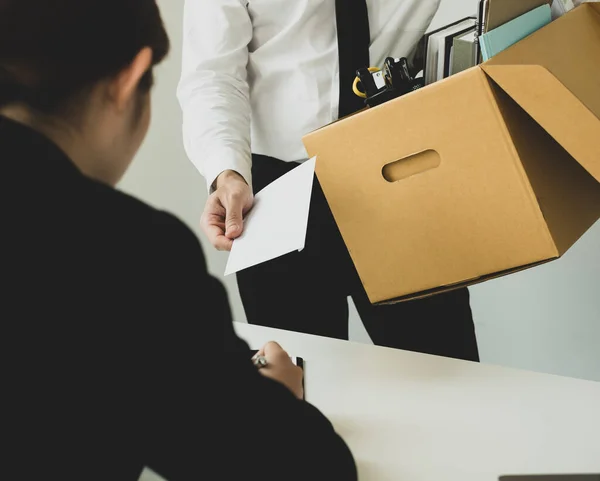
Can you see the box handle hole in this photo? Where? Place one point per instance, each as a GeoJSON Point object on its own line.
{"type": "Point", "coordinates": [412, 165]}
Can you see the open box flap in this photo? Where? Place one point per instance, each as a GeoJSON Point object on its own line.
{"type": "Point", "coordinates": [568, 196]}
{"type": "Point", "coordinates": [555, 108]}
{"type": "Point", "coordinates": [554, 75]}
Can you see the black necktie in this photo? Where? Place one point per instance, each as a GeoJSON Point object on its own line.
{"type": "Point", "coordinates": [354, 39]}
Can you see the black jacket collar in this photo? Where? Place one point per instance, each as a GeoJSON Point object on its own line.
{"type": "Point", "coordinates": [23, 149]}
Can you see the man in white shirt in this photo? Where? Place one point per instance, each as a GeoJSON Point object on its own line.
{"type": "Point", "coordinates": [257, 76]}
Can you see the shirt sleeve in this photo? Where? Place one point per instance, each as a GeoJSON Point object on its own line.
{"type": "Point", "coordinates": [213, 90]}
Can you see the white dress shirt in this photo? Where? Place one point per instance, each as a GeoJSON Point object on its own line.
{"type": "Point", "coordinates": [258, 75]}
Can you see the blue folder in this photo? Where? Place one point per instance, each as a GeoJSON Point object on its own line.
{"type": "Point", "coordinates": [499, 39]}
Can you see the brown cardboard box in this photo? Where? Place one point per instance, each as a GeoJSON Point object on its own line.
{"type": "Point", "coordinates": [488, 172]}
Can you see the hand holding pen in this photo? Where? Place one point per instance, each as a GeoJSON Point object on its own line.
{"type": "Point", "coordinates": [273, 362]}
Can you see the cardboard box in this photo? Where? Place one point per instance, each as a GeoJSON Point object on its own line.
{"type": "Point", "coordinates": [488, 172]}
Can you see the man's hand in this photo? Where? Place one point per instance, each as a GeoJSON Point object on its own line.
{"type": "Point", "coordinates": [223, 217]}
{"type": "Point", "coordinates": [280, 368]}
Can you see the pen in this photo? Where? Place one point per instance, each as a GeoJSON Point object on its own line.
{"type": "Point", "coordinates": [259, 361]}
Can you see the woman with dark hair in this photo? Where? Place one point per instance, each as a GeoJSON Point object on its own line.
{"type": "Point", "coordinates": [111, 325]}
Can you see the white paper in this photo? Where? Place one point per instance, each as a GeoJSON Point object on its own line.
{"type": "Point", "coordinates": [277, 223]}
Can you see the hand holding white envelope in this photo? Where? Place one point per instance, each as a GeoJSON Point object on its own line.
{"type": "Point", "coordinates": [277, 223]}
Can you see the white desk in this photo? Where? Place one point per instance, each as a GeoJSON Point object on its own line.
{"type": "Point", "coordinates": [412, 417]}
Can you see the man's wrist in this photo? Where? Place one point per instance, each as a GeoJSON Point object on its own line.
{"type": "Point", "coordinates": [226, 176]}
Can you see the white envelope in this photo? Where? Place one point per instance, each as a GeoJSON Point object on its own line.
{"type": "Point", "coordinates": [277, 223]}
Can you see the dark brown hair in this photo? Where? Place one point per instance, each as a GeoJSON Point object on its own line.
{"type": "Point", "coordinates": [53, 50]}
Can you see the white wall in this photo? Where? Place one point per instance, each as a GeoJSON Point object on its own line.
{"type": "Point", "coordinates": [546, 319]}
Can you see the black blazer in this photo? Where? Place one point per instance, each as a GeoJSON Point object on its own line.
{"type": "Point", "coordinates": [112, 332]}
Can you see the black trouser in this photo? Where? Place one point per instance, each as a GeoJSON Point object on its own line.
{"type": "Point", "coordinates": [307, 291]}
